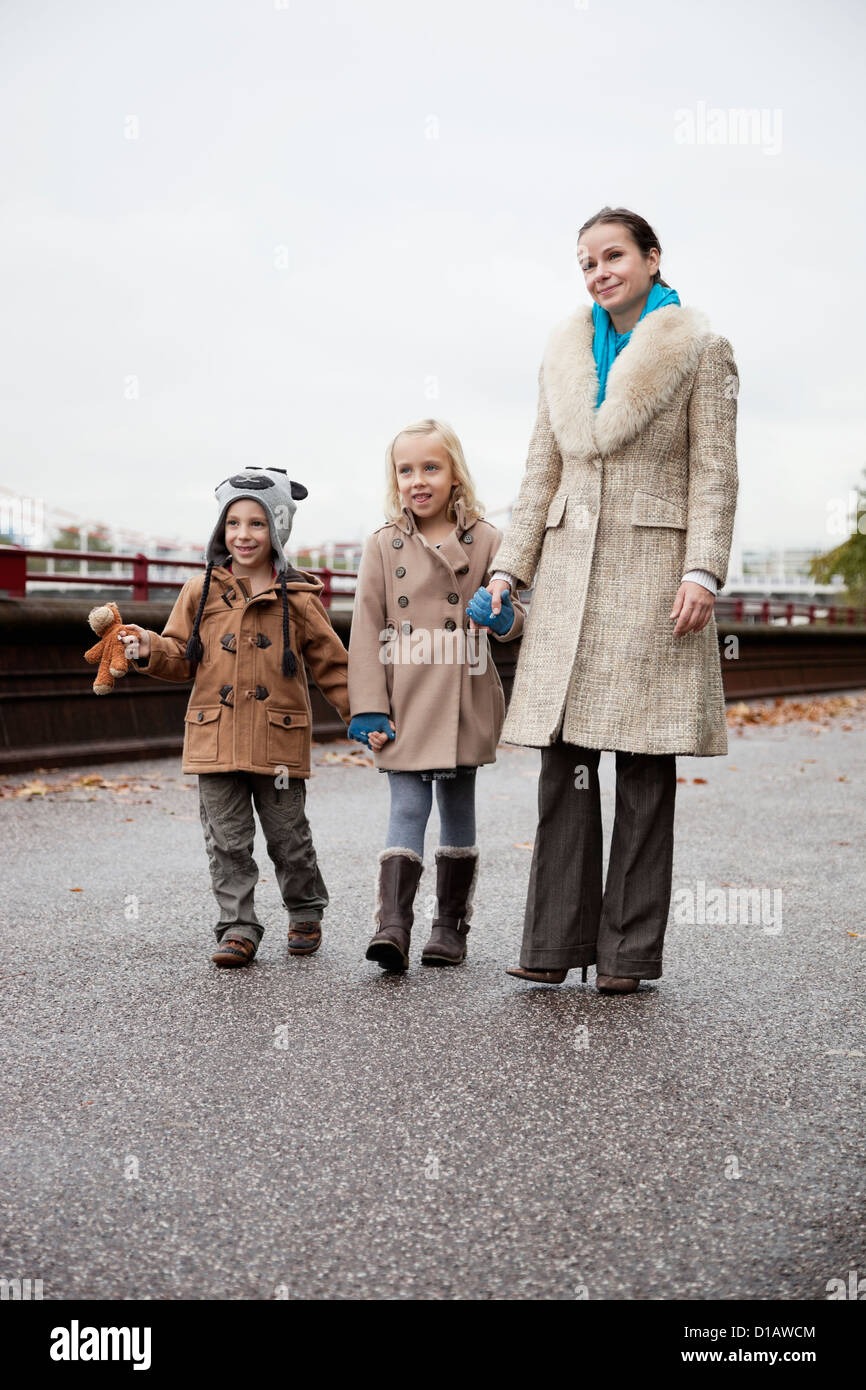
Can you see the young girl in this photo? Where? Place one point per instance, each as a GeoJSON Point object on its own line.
{"type": "Point", "coordinates": [243, 631]}
{"type": "Point", "coordinates": [424, 691]}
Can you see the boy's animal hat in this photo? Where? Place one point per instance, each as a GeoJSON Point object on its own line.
{"type": "Point", "coordinates": [277, 495]}
{"type": "Point", "coordinates": [274, 492]}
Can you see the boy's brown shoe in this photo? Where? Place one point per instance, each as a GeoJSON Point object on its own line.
{"type": "Point", "coordinates": [234, 950]}
{"type": "Point", "coordinates": [304, 938]}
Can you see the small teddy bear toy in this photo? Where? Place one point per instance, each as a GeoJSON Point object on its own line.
{"type": "Point", "coordinates": [109, 651]}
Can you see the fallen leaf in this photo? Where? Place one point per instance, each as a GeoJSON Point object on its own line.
{"type": "Point", "coordinates": [702, 780]}
{"type": "Point", "coordinates": [819, 710]}
{"type": "Point", "coordinates": [348, 759]}
{"type": "Point", "coordinates": [36, 788]}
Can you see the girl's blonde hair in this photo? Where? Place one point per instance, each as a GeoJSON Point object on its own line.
{"type": "Point", "coordinates": [463, 484]}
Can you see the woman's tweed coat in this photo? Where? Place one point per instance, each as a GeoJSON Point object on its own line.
{"type": "Point", "coordinates": [616, 504]}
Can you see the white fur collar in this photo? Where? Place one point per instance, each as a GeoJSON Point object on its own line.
{"type": "Point", "coordinates": [664, 348]}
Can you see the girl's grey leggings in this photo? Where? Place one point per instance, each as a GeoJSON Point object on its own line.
{"type": "Point", "coordinates": [412, 799]}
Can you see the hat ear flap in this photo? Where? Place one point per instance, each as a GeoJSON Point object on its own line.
{"type": "Point", "coordinates": [299, 492]}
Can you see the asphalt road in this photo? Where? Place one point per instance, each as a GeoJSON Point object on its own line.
{"type": "Point", "coordinates": [317, 1129]}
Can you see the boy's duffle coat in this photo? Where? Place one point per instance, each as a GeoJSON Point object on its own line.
{"type": "Point", "coordinates": [436, 680]}
{"type": "Point", "coordinates": [616, 505]}
{"type": "Point", "coordinates": [243, 713]}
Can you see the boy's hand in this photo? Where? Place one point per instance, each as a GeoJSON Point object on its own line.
{"type": "Point", "coordinates": [136, 641]}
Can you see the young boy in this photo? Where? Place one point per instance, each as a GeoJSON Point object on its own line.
{"type": "Point", "coordinates": [242, 631]}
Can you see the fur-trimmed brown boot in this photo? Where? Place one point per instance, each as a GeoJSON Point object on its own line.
{"type": "Point", "coordinates": [456, 876]}
{"type": "Point", "coordinates": [399, 873]}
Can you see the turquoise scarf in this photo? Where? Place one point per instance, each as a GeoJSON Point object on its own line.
{"type": "Point", "coordinates": [607, 343]}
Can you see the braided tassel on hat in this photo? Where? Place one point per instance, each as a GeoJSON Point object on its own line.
{"type": "Point", "coordinates": [290, 662]}
{"type": "Point", "coordinates": [194, 649]}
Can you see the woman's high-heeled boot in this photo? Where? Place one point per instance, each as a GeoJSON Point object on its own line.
{"type": "Point", "coordinates": [399, 873]}
{"type": "Point", "coordinates": [456, 876]}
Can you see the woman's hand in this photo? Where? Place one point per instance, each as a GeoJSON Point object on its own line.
{"type": "Point", "coordinates": [136, 641]}
{"type": "Point", "coordinates": [378, 740]}
{"type": "Point", "coordinates": [693, 607]}
{"type": "Point", "coordinates": [480, 611]}
{"type": "Point", "coordinates": [496, 588]}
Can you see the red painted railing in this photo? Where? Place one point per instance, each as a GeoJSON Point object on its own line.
{"type": "Point", "coordinates": [15, 576]}
{"type": "Point", "coordinates": [765, 610]}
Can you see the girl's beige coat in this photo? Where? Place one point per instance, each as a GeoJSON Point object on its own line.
{"type": "Point", "coordinates": [616, 504]}
{"type": "Point", "coordinates": [410, 654]}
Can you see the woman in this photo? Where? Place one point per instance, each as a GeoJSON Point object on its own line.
{"type": "Point", "coordinates": [626, 511]}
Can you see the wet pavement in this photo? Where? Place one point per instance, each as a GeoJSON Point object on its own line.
{"type": "Point", "coordinates": [318, 1129]}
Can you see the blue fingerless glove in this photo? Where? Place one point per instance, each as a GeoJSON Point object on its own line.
{"type": "Point", "coordinates": [364, 724]}
{"type": "Point", "coordinates": [480, 611]}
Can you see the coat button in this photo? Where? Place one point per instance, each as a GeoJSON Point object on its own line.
{"type": "Point", "coordinates": [200, 716]}
{"type": "Point", "coordinates": [450, 624]}
{"type": "Point", "coordinates": [287, 719]}
{"type": "Point", "coordinates": [403, 601]}
{"type": "Point", "coordinates": [468, 538]}
{"type": "Point", "coordinates": [396, 542]}
{"type": "Point", "coordinates": [400, 571]}
{"type": "Point", "coordinates": [453, 598]}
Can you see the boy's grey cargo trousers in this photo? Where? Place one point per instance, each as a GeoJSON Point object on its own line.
{"type": "Point", "coordinates": [226, 801]}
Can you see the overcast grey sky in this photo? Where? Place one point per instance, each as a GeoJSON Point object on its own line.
{"type": "Point", "coordinates": [288, 226]}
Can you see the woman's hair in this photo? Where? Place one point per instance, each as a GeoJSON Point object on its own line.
{"type": "Point", "coordinates": [640, 229]}
{"type": "Point", "coordinates": [463, 484]}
